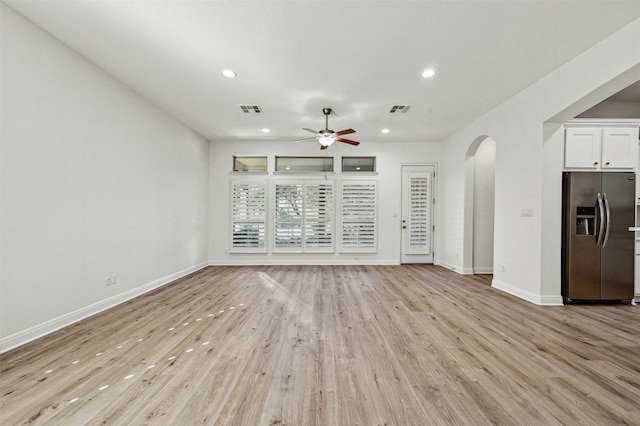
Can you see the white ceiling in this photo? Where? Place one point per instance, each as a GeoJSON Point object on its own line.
{"type": "Point", "coordinates": [630, 94]}
{"type": "Point", "coordinates": [358, 57]}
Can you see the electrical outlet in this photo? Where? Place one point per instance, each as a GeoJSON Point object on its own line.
{"type": "Point", "coordinates": [111, 279]}
{"type": "Point", "coordinates": [526, 212]}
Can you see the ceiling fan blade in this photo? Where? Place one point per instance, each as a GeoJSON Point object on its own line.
{"type": "Point", "coordinates": [309, 130]}
{"type": "Point", "coordinates": [345, 132]}
{"type": "Point", "coordinates": [304, 140]}
{"type": "Point", "coordinates": [324, 146]}
{"type": "Point", "coordinates": [350, 142]}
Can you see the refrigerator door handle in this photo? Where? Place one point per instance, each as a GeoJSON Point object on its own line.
{"type": "Point", "coordinates": [602, 220]}
{"type": "Point", "coordinates": [607, 219]}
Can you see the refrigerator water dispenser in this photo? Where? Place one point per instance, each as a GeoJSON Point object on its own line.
{"type": "Point", "coordinates": [585, 220]}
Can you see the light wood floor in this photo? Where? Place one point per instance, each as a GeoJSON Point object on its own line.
{"type": "Point", "coordinates": [331, 345]}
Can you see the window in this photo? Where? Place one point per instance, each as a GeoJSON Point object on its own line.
{"type": "Point", "coordinates": [248, 216]}
{"type": "Point", "coordinates": [358, 224]}
{"type": "Point", "coordinates": [358, 164]}
{"type": "Point", "coordinates": [303, 216]}
{"type": "Point", "coordinates": [304, 164]}
{"type": "Point", "coordinates": [249, 164]}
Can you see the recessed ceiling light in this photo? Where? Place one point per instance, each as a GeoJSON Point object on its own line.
{"type": "Point", "coordinates": [429, 72]}
{"type": "Point", "coordinates": [385, 130]}
{"type": "Point", "coordinates": [228, 73]}
{"type": "Point", "coordinates": [265, 130]}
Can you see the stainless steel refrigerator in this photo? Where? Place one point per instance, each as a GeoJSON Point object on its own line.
{"type": "Point", "coordinates": [597, 247]}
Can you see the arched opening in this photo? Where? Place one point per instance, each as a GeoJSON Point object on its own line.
{"type": "Point", "coordinates": [480, 206]}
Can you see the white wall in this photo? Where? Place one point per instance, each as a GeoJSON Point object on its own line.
{"type": "Point", "coordinates": [483, 206]}
{"type": "Point", "coordinates": [529, 164]}
{"type": "Point", "coordinates": [94, 181]}
{"type": "Point", "coordinates": [390, 156]}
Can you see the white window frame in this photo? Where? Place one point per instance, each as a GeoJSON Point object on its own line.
{"type": "Point", "coordinates": [306, 218]}
{"type": "Point", "coordinates": [240, 219]}
{"type": "Point", "coordinates": [366, 217]}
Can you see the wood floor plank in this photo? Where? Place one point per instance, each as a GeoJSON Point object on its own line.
{"type": "Point", "coordinates": [331, 345]}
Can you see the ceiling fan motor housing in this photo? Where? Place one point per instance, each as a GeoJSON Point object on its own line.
{"type": "Point", "coordinates": [326, 132]}
{"type": "Point", "coordinates": [327, 137]}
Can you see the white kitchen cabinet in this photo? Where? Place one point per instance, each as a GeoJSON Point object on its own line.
{"type": "Point", "coordinates": [583, 147]}
{"type": "Point", "coordinates": [619, 147]}
{"type": "Point", "coordinates": [601, 148]}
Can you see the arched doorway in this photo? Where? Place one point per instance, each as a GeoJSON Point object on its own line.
{"type": "Point", "coordinates": [479, 206]}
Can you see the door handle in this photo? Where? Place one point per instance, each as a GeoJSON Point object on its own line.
{"type": "Point", "coordinates": [607, 219]}
{"type": "Point", "coordinates": [602, 220]}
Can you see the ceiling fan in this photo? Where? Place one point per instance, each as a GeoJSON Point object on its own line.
{"type": "Point", "coordinates": [327, 137]}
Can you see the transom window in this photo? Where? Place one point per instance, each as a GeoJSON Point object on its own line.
{"type": "Point", "coordinates": [358, 164]}
{"type": "Point", "coordinates": [304, 164]}
{"type": "Point", "coordinates": [249, 164]}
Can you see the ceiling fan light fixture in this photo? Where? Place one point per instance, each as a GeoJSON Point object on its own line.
{"type": "Point", "coordinates": [326, 140]}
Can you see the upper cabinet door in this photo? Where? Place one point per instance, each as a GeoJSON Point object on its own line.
{"type": "Point", "coordinates": [582, 147]}
{"type": "Point", "coordinates": [619, 147]}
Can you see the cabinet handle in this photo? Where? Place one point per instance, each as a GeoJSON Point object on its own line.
{"type": "Point", "coordinates": [606, 164]}
{"type": "Point", "coordinates": [595, 164]}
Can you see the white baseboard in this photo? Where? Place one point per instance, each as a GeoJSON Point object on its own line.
{"type": "Point", "coordinates": [40, 330]}
{"type": "Point", "coordinates": [536, 299]}
{"type": "Point", "coordinates": [455, 268]}
{"type": "Point", "coordinates": [481, 270]}
{"type": "Point", "coordinates": [302, 262]}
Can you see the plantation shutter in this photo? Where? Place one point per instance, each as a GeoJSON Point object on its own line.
{"type": "Point", "coordinates": [248, 216]}
{"type": "Point", "coordinates": [359, 199]}
{"type": "Point", "coordinates": [303, 216]}
{"type": "Point", "coordinates": [288, 216]}
{"type": "Point", "coordinates": [318, 214]}
{"type": "Point", "coordinates": [420, 214]}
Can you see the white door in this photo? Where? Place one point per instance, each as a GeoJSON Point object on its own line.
{"type": "Point", "coordinates": [417, 214]}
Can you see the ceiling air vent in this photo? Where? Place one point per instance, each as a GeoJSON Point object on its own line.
{"type": "Point", "coordinates": [248, 109]}
{"type": "Point", "coordinates": [400, 109]}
